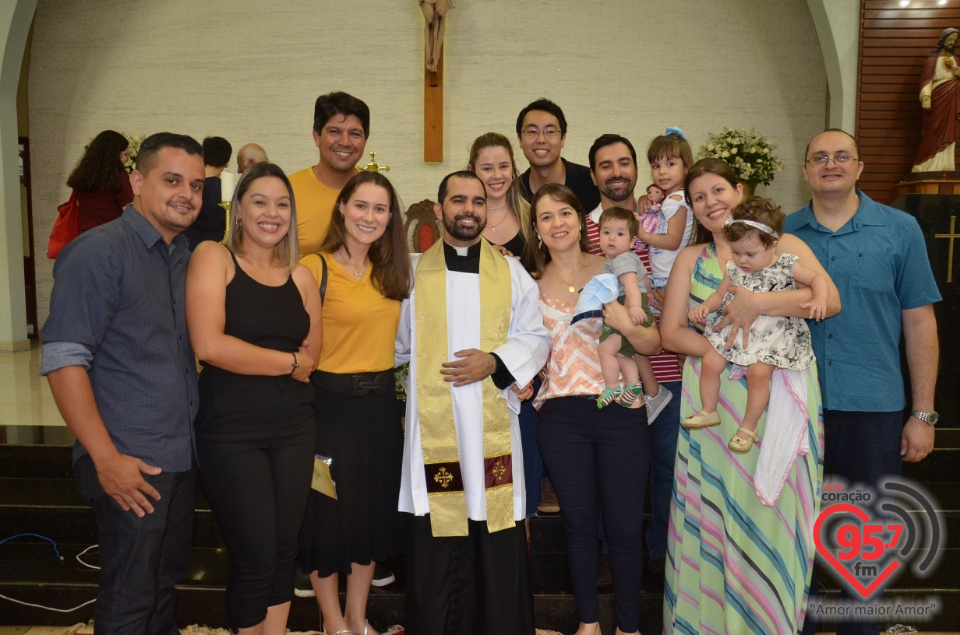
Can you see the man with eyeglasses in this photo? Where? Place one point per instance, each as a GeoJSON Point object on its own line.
{"type": "Point", "coordinates": [542, 131]}
{"type": "Point", "coordinates": [877, 258]}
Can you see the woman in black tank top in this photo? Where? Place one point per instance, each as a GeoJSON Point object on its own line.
{"type": "Point", "coordinates": [253, 314]}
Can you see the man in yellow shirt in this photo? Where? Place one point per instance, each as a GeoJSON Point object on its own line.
{"type": "Point", "coordinates": [341, 124]}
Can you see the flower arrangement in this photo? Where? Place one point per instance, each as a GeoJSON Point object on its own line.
{"type": "Point", "coordinates": [750, 154]}
{"type": "Point", "coordinates": [133, 149]}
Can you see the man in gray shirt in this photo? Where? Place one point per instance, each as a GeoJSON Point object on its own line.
{"type": "Point", "coordinates": [119, 362]}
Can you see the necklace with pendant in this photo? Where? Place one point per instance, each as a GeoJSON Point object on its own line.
{"type": "Point", "coordinates": [570, 286]}
{"type": "Point", "coordinates": [347, 265]}
{"type": "Point", "coordinates": [494, 226]}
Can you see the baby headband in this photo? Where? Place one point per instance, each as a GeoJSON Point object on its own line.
{"type": "Point", "coordinates": [675, 130]}
{"type": "Point", "coordinates": [766, 229]}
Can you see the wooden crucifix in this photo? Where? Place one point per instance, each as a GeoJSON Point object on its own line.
{"type": "Point", "coordinates": [435, 15]}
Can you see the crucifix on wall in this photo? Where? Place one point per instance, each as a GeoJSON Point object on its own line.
{"type": "Point", "coordinates": [435, 15]}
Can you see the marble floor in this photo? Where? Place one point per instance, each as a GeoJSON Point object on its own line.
{"type": "Point", "coordinates": [28, 413]}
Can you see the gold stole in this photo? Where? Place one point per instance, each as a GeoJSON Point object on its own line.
{"type": "Point", "coordinates": [438, 435]}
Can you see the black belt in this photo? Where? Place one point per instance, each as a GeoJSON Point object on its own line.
{"type": "Point", "coordinates": [356, 385]}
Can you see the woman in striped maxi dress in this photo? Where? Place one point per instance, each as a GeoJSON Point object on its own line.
{"type": "Point", "coordinates": [733, 564]}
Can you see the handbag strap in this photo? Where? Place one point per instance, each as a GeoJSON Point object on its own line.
{"type": "Point", "coordinates": [323, 276]}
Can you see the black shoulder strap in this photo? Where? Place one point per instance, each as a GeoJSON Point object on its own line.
{"type": "Point", "coordinates": [323, 276]}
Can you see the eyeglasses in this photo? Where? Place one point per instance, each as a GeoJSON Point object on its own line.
{"type": "Point", "coordinates": [532, 132]}
{"type": "Point", "coordinates": [839, 158]}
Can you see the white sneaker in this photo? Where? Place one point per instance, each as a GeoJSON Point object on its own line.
{"type": "Point", "coordinates": [382, 576]}
{"type": "Point", "coordinates": [657, 403]}
{"type": "Point", "coordinates": [301, 585]}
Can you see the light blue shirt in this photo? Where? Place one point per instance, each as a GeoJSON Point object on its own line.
{"type": "Point", "coordinates": [879, 262]}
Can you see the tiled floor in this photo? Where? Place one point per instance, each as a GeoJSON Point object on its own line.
{"type": "Point", "coordinates": [28, 413]}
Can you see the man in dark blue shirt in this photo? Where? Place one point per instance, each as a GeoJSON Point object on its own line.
{"type": "Point", "coordinates": [122, 371]}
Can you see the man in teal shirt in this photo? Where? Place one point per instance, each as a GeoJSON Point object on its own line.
{"type": "Point", "coordinates": [877, 257]}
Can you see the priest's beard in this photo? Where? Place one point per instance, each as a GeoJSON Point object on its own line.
{"type": "Point", "coordinates": [459, 231]}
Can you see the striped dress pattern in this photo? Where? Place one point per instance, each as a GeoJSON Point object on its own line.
{"type": "Point", "coordinates": [734, 565]}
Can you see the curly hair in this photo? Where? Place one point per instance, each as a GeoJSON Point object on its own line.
{"type": "Point", "coordinates": [100, 168]}
{"type": "Point", "coordinates": [760, 210]}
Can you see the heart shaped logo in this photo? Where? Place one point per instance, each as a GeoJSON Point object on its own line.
{"type": "Point", "coordinates": [854, 535]}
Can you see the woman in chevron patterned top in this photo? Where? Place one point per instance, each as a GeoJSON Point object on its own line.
{"type": "Point", "coordinates": [598, 459]}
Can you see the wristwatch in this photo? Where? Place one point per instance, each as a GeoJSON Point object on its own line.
{"type": "Point", "coordinates": [929, 418]}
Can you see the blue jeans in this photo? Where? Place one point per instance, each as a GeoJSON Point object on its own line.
{"type": "Point", "coordinates": [663, 452]}
{"type": "Point", "coordinates": [141, 559]}
{"type": "Point", "coordinates": [598, 461]}
{"type": "Point", "coordinates": [532, 463]}
{"type": "Point", "coordinates": [859, 447]}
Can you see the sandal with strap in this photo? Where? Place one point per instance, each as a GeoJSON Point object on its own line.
{"type": "Point", "coordinates": [742, 446]}
{"type": "Point", "coordinates": [702, 420]}
{"type": "Point", "coordinates": [631, 394]}
{"type": "Point", "coordinates": [608, 396]}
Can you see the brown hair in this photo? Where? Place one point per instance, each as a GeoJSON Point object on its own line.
{"type": "Point", "coordinates": [100, 168]}
{"type": "Point", "coordinates": [538, 256]}
{"type": "Point", "coordinates": [710, 165]}
{"type": "Point", "coordinates": [760, 210]}
{"type": "Point", "coordinates": [388, 254]}
{"type": "Point", "coordinates": [619, 213]}
{"type": "Point", "coordinates": [670, 146]}
{"type": "Point", "coordinates": [519, 207]}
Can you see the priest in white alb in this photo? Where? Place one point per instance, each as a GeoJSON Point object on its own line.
{"type": "Point", "coordinates": [474, 337]}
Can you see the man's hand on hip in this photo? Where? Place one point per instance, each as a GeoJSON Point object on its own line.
{"type": "Point", "coordinates": [121, 479]}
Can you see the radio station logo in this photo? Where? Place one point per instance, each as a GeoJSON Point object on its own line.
{"type": "Point", "coordinates": [868, 545]}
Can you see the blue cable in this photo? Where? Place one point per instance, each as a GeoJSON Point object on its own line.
{"type": "Point", "coordinates": [50, 540]}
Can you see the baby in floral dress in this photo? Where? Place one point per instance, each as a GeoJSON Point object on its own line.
{"type": "Point", "coordinates": [753, 232]}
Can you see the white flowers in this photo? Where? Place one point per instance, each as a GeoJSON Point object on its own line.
{"type": "Point", "coordinates": [749, 154]}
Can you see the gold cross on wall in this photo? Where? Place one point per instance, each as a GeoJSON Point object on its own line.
{"type": "Point", "coordinates": [952, 235]}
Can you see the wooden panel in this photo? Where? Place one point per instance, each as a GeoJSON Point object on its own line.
{"type": "Point", "coordinates": [939, 24]}
{"type": "Point", "coordinates": [895, 4]}
{"type": "Point", "coordinates": [930, 34]}
{"type": "Point", "coordinates": [433, 114]}
{"type": "Point", "coordinates": [898, 50]}
{"type": "Point", "coordinates": [894, 42]}
{"type": "Point", "coordinates": [904, 14]}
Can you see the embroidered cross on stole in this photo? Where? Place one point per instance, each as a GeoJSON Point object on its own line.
{"type": "Point", "coordinates": [441, 457]}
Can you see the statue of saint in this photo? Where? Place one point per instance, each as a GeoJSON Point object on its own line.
{"type": "Point", "coordinates": [435, 13]}
{"type": "Point", "coordinates": [940, 98]}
